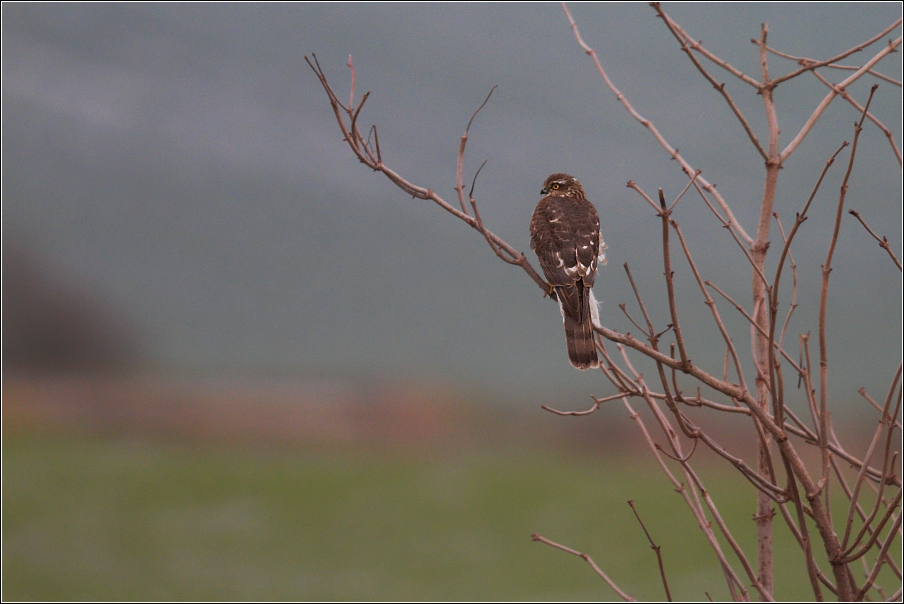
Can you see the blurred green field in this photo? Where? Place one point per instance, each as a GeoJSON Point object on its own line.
{"type": "Point", "coordinates": [127, 519]}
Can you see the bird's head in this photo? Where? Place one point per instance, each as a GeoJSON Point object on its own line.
{"type": "Point", "coordinates": [561, 185]}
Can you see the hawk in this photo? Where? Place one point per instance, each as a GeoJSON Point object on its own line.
{"type": "Point", "coordinates": [565, 234]}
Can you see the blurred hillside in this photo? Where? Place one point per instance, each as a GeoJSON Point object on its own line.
{"type": "Point", "coordinates": [52, 327]}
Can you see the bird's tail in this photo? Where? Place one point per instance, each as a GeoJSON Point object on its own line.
{"type": "Point", "coordinates": [581, 348]}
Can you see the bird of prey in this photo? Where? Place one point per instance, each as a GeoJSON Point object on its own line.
{"type": "Point", "coordinates": [565, 234]}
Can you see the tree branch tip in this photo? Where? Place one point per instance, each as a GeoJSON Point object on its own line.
{"type": "Point", "coordinates": [485, 101]}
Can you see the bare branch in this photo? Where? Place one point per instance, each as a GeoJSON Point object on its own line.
{"type": "Point", "coordinates": [459, 187]}
{"type": "Point", "coordinates": [712, 307]}
{"type": "Point", "coordinates": [860, 512]}
{"type": "Point", "coordinates": [883, 243]}
{"type": "Point", "coordinates": [655, 548]}
{"type": "Point", "coordinates": [806, 61]}
{"type": "Point", "coordinates": [684, 39]}
{"type": "Point", "coordinates": [595, 407]}
{"type": "Point", "coordinates": [773, 367]}
{"type": "Point", "coordinates": [698, 46]}
{"type": "Point", "coordinates": [650, 331]}
{"type": "Point", "coordinates": [849, 555]}
{"type": "Point", "coordinates": [883, 554]}
{"type": "Point", "coordinates": [872, 72]}
{"type": "Point", "coordinates": [633, 185]}
{"type": "Point", "coordinates": [669, 279]}
{"type": "Point", "coordinates": [875, 405]}
{"type": "Point", "coordinates": [684, 190]}
{"type": "Point", "coordinates": [891, 47]}
{"type": "Point", "coordinates": [634, 323]}
{"type": "Point", "coordinates": [673, 153]}
{"type": "Point", "coordinates": [728, 226]}
{"type": "Point", "coordinates": [812, 570]}
{"type": "Point", "coordinates": [358, 145]}
{"type": "Point", "coordinates": [844, 94]}
{"type": "Point", "coordinates": [835, 59]}
{"type": "Point", "coordinates": [623, 595]}
{"type": "Point", "coordinates": [693, 503]}
{"type": "Point", "coordinates": [823, 304]}
{"type": "Point", "coordinates": [754, 324]}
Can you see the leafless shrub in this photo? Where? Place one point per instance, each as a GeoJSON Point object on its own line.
{"type": "Point", "coordinates": [785, 480]}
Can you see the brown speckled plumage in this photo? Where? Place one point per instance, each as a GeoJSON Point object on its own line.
{"type": "Point", "coordinates": [565, 234]}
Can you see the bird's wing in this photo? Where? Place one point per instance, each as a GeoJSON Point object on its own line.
{"type": "Point", "coordinates": [565, 236]}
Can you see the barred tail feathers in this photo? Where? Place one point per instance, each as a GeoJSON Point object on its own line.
{"type": "Point", "coordinates": [581, 347]}
{"type": "Point", "coordinates": [580, 312]}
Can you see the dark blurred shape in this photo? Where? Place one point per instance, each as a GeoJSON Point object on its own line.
{"type": "Point", "coordinates": [50, 327]}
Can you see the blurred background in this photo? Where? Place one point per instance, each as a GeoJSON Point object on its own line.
{"type": "Point", "coordinates": [237, 365]}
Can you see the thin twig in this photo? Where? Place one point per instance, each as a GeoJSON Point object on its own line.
{"type": "Point", "coordinates": [650, 332]}
{"type": "Point", "coordinates": [844, 94]}
{"type": "Point", "coordinates": [753, 324]}
{"type": "Point", "coordinates": [872, 72]}
{"type": "Point", "coordinates": [847, 493]}
{"type": "Point", "coordinates": [840, 570]}
{"type": "Point", "coordinates": [875, 405]}
{"type": "Point", "coordinates": [891, 47]}
{"type": "Point", "coordinates": [773, 315]}
{"type": "Point", "coordinates": [595, 407]}
{"type": "Point", "coordinates": [883, 553]}
{"type": "Point", "coordinates": [836, 58]}
{"type": "Point", "coordinates": [669, 279]}
{"type": "Point", "coordinates": [673, 153]}
{"type": "Point", "coordinates": [692, 502]}
{"type": "Point", "coordinates": [684, 190]}
{"type": "Point", "coordinates": [884, 421]}
{"type": "Point", "coordinates": [698, 46]}
{"type": "Point", "coordinates": [623, 595]}
{"type": "Point", "coordinates": [806, 61]}
{"type": "Point", "coordinates": [633, 322]}
{"type": "Point", "coordinates": [712, 306]}
{"type": "Point", "coordinates": [686, 44]}
{"type": "Point", "coordinates": [727, 225]}
{"type": "Point", "coordinates": [680, 459]}
{"type": "Point", "coordinates": [793, 305]}
{"type": "Point", "coordinates": [883, 242]}
{"type": "Point", "coordinates": [849, 554]}
{"type": "Point", "coordinates": [655, 548]}
{"type": "Point", "coordinates": [823, 305]}
{"type": "Point", "coordinates": [459, 187]}
{"type": "Point", "coordinates": [358, 144]}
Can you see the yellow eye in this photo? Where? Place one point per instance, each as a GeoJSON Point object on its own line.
{"type": "Point", "coordinates": [555, 185]}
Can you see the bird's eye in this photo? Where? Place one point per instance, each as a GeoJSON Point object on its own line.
{"type": "Point", "coordinates": [554, 186]}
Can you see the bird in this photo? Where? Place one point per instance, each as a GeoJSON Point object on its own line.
{"type": "Point", "coordinates": [565, 234]}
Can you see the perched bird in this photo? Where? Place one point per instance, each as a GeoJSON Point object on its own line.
{"type": "Point", "coordinates": [565, 234]}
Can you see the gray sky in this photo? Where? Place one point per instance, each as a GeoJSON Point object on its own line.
{"type": "Point", "coordinates": [181, 161]}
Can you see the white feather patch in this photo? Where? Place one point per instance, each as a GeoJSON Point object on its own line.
{"type": "Point", "coordinates": [594, 311]}
{"type": "Point", "coordinates": [603, 248]}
